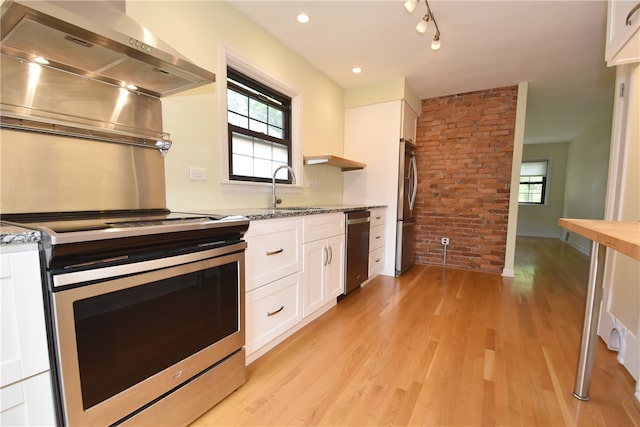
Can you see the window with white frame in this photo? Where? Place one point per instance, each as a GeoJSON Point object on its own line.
{"type": "Point", "coordinates": [259, 130]}
{"type": "Point", "coordinates": [533, 182]}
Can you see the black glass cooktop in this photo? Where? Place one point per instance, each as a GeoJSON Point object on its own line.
{"type": "Point", "coordinates": [70, 227]}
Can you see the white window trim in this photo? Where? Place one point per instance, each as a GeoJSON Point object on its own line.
{"type": "Point", "coordinates": [545, 202]}
{"type": "Point", "coordinates": [228, 57]}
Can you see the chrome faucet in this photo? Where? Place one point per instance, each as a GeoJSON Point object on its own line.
{"type": "Point", "coordinates": [274, 199]}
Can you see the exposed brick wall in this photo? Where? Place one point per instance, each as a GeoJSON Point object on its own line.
{"type": "Point", "coordinates": [464, 154]}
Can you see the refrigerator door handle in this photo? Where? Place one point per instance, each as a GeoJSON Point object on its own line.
{"type": "Point", "coordinates": [413, 182]}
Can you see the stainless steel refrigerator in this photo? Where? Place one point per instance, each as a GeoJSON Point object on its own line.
{"type": "Point", "coordinates": [407, 191]}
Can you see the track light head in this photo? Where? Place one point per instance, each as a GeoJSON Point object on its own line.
{"type": "Point", "coordinates": [422, 25]}
{"type": "Point", "coordinates": [411, 5]}
{"type": "Point", "coordinates": [435, 44]}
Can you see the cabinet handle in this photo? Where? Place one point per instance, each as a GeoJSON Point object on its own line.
{"type": "Point", "coordinates": [378, 237]}
{"type": "Point", "coordinates": [326, 256]}
{"type": "Point", "coordinates": [378, 217]}
{"type": "Point", "coordinates": [634, 10]}
{"type": "Point", "coordinates": [273, 313]}
{"type": "Point", "coordinates": [269, 253]}
{"type": "Point", "coordinates": [378, 260]}
{"type": "Point", "coordinates": [330, 255]}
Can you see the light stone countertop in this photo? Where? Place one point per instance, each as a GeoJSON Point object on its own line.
{"type": "Point", "coordinates": [10, 234]}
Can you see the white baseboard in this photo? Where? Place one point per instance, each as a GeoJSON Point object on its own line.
{"type": "Point", "coordinates": [611, 329]}
{"type": "Point", "coordinates": [508, 272]}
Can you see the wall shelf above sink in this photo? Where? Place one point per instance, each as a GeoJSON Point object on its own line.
{"type": "Point", "coordinates": [328, 159]}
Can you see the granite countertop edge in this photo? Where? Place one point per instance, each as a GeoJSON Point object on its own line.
{"type": "Point", "coordinates": [257, 214]}
{"type": "Point", "coordinates": [11, 235]}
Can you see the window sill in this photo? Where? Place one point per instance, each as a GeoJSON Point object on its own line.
{"type": "Point", "coordinates": [531, 204]}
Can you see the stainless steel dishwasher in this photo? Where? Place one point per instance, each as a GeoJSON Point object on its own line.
{"type": "Point", "coordinates": [357, 253]}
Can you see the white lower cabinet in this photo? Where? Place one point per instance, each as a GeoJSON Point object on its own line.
{"type": "Point", "coordinates": [272, 310]}
{"type": "Point", "coordinates": [28, 402]}
{"type": "Point", "coordinates": [376, 262]}
{"type": "Point", "coordinates": [323, 261]}
{"type": "Point", "coordinates": [377, 240]}
{"type": "Point", "coordinates": [273, 288]}
{"type": "Point", "coordinates": [26, 396]}
{"type": "Point", "coordinates": [323, 272]}
{"type": "Point", "coordinates": [294, 272]}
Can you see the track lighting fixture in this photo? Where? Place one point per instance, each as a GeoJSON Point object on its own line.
{"type": "Point", "coordinates": [410, 6]}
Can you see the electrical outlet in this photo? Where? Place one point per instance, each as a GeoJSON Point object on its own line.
{"type": "Point", "coordinates": [445, 241]}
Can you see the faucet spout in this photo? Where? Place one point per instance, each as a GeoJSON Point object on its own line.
{"type": "Point", "coordinates": [274, 199]}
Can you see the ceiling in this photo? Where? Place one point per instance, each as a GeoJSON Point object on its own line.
{"type": "Point", "coordinates": [557, 46]}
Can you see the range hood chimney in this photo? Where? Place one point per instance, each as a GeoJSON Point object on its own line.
{"type": "Point", "coordinates": [96, 40]}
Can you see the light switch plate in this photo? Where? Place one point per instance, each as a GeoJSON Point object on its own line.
{"type": "Point", "coordinates": [197, 174]}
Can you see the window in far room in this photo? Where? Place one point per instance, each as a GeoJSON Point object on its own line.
{"type": "Point", "coordinates": [259, 130]}
{"type": "Point", "coordinates": [533, 182]}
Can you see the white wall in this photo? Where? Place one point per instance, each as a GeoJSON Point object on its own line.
{"type": "Point", "coordinates": [200, 30]}
{"type": "Point", "coordinates": [586, 182]}
{"type": "Point", "coordinates": [620, 321]}
{"type": "Point", "coordinates": [542, 220]}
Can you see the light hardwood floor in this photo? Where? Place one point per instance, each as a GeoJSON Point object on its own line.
{"type": "Point", "coordinates": [442, 347]}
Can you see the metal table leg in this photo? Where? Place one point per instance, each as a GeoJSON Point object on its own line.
{"type": "Point", "coordinates": [591, 319]}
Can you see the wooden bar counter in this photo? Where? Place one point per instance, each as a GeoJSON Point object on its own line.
{"type": "Point", "coordinates": [622, 236]}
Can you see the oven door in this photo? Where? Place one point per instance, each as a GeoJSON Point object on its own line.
{"type": "Point", "coordinates": [127, 340]}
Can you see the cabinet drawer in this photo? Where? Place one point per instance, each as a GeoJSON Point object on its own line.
{"type": "Point", "coordinates": [274, 250]}
{"type": "Point", "coordinates": [376, 261]}
{"type": "Point", "coordinates": [323, 226]}
{"type": "Point", "coordinates": [271, 310]}
{"type": "Point", "coordinates": [28, 402]}
{"type": "Point", "coordinates": [378, 216]}
{"type": "Point", "coordinates": [376, 237]}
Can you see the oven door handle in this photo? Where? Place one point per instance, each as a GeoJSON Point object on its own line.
{"type": "Point", "coordinates": [89, 275]}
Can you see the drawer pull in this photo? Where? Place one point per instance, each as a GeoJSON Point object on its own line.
{"type": "Point", "coordinates": [269, 253]}
{"type": "Point", "coordinates": [378, 260]}
{"type": "Point", "coordinates": [273, 313]}
{"type": "Point", "coordinates": [378, 237]}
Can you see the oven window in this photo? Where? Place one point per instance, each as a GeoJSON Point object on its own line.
{"type": "Point", "coordinates": [127, 336]}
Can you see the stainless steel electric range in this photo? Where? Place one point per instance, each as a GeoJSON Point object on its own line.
{"type": "Point", "coordinates": [145, 312]}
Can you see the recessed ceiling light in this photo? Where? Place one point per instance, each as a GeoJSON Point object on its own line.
{"type": "Point", "coordinates": [302, 18]}
{"type": "Point", "coordinates": [356, 70]}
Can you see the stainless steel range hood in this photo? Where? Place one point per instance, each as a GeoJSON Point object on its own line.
{"type": "Point", "coordinates": [95, 40]}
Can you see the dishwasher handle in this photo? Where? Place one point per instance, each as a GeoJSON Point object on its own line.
{"type": "Point", "coordinates": [357, 220]}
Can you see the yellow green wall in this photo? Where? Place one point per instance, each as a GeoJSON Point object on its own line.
{"type": "Point", "coordinates": [390, 90]}
{"type": "Point", "coordinates": [201, 31]}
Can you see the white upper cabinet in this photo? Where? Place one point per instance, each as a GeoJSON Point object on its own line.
{"type": "Point", "coordinates": [623, 32]}
{"type": "Point", "coordinates": [409, 123]}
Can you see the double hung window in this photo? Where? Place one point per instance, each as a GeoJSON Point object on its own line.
{"type": "Point", "coordinates": [533, 182]}
{"type": "Point", "coordinates": [259, 129]}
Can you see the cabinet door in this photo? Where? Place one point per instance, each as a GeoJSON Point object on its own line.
{"type": "Point", "coordinates": [623, 41]}
{"type": "Point", "coordinates": [316, 256]}
{"type": "Point", "coordinates": [334, 277]}
{"type": "Point", "coordinates": [24, 341]}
